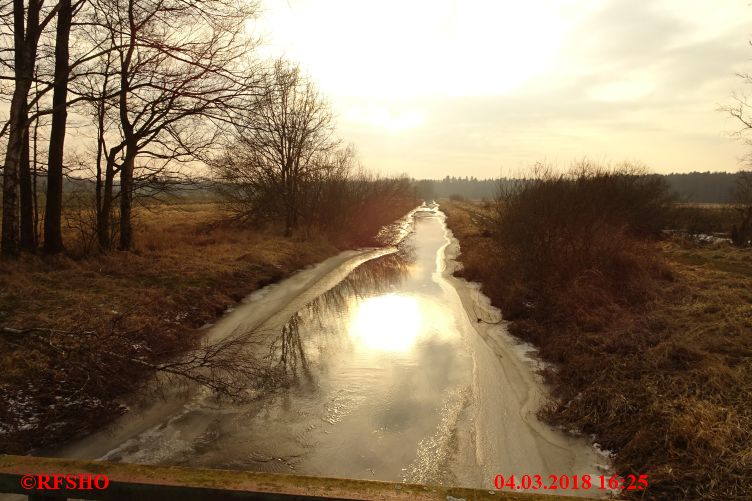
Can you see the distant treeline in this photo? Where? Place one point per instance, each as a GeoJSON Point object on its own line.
{"type": "Point", "coordinates": [696, 187]}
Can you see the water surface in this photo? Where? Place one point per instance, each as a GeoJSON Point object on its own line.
{"type": "Point", "coordinates": [378, 373]}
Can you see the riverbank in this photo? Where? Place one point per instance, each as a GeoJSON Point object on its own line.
{"type": "Point", "coordinates": [78, 334]}
{"type": "Point", "coordinates": [664, 382]}
{"type": "Point", "coordinates": [507, 383]}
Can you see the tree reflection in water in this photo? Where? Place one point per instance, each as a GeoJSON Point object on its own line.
{"type": "Point", "coordinates": [286, 355]}
{"type": "Point", "coordinates": [286, 362]}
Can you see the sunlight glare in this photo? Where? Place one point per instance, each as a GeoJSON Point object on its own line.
{"type": "Point", "coordinates": [394, 49]}
{"type": "Point", "coordinates": [380, 116]}
{"type": "Point", "coordinates": [387, 323]}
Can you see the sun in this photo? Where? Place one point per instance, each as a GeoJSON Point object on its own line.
{"type": "Point", "coordinates": [392, 323]}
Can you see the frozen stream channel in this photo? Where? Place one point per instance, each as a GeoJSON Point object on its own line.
{"type": "Point", "coordinates": [388, 376]}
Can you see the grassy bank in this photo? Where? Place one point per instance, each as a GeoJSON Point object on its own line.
{"type": "Point", "coordinates": [660, 372]}
{"type": "Point", "coordinates": [72, 327]}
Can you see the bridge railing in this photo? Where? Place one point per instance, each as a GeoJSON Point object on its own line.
{"type": "Point", "coordinates": [55, 479]}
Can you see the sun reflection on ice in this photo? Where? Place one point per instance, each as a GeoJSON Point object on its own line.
{"type": "Point", "coordinates": [391, 322]}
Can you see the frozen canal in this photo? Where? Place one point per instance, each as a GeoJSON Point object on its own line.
{"type": "Point", "coordinates": [383, 374]}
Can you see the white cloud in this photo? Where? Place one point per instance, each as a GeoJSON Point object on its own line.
{"type": "Point", "coordinates": [435, 86]}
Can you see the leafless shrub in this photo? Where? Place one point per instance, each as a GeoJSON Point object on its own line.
{"type": "Point", "coordinates": [562, 229]}
{"type": "Point", "coordinates": [231, 367]}
{"type": "Point", "coordinates": [81, 220]}
{"type": "Point", "coordinates": [285, 168]}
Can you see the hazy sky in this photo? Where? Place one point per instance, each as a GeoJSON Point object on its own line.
{"type": "Point", "coordinates": [473, 87]}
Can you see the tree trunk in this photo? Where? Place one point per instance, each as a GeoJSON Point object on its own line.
{"type": "Point", "coordinates": [13, 154]}
{"type": "Point", "coordinates": [25, 39]}
{"type": "Point", "coordinates": [104, 224]}
{"type": "Point", "coordinates": [53, 237]}
{"type": "Point", "coordinates": [104, 185]}
{"type": "Point", "coordinates": [131, 145]}
{"type": "Point", "coordinates": [289, 224]}
{"type": "Point", "coordinates": [98, 196]}
{"type": "Point", "coordinates": [99, 187]}
{"type": "Point", "coordinates": [126, 199]}
{"type": "Point", "coordinates": [28, 233]}
{"type": "Point", "coordinates": [34, 178]}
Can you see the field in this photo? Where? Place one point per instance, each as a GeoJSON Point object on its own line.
{"type": "Point", "coordinates": [58, 374]}
{"type": "Point", "coordinates": [664, 380]}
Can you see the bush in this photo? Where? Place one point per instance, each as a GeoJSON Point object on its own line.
{"type": "Point", "coordinates": [581, 232]}
{"type": "Point", "coordinates": [652, 359]}
{"type": "Point", "coordinates": [336, 199]}
{"type": "Point", "coordinates": [698, 219]}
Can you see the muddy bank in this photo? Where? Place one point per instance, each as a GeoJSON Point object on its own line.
{"type": "Point", "coordinates": [510, 391]}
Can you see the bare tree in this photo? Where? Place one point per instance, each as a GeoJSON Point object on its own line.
{"type": "Point", "coordinates": [168, 77]}
{"type": "Point", "coordinates": [179, 75]}
{"type": "Point", "coordinates": [741, 110]}
{"type": "Point", "coordinates": [230, 366]}
{"type": "Point", "coordinates": [28, 23]}
{"type": "Point", "coordinates": [278, 144]}
{"type": "Point", "coordinates": [32, 53]}
{"type": "Point", "coordinates": [53, 236]}
{"type": "Point", "coordinates": [28, 235]}
{"type": "Point", "coordinates": [104, 177]}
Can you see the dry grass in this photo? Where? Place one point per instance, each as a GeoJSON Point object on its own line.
{"type": "Point", "coordinates": [664, 378]}
{"type": "Point", "coordinates": [188, 267]}
{"type": "Point", "coordinates": [182, 250]}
